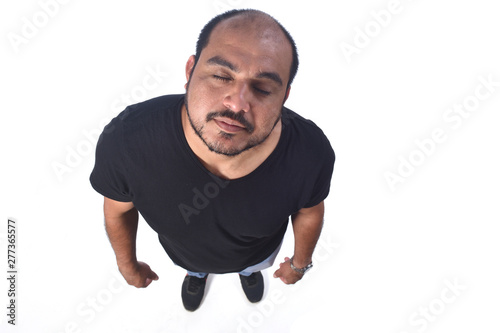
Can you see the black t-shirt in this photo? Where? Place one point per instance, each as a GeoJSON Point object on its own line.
{"type": "Point", "coordinates": [205, 223]}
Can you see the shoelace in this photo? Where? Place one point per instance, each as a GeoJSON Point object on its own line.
{"type": "Point", "coordinates": [195, 284]}
{"type": "Point", "coordinates": [251, 280]}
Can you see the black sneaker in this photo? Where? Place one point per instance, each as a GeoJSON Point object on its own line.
{"type": "Point", "coordinates": [193, 289]}
{"type": "Point", "coordinates": [253, 286]}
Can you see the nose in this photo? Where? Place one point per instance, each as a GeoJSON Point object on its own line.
{"type": "Point", "coordinates": [238, 99]}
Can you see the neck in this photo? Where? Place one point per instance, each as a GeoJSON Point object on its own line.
{"type": "Point", "coordinates": [230, 167]}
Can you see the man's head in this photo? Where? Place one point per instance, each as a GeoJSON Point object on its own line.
{"type": "Point", "coordinates": [239, 80]}
{"type": "Point", "coordinates": [204, 36]}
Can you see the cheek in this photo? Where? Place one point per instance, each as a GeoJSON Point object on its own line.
{"type": "Point", "coordinates": [265, 120]}
{"type": "Point", "coordinates": [198, 99]}
{"type": "Point", "coordinates": [203, 96]}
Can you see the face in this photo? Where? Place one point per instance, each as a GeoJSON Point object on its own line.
{"type": "Point", "coordinates": [236, 91]}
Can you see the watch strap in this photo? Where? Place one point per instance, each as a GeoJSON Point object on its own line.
{"type": "Point", "coordinates": [300, 270]}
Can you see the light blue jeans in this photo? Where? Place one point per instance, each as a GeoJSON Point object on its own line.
{"type": "Point", "coordinates": [249, 270]}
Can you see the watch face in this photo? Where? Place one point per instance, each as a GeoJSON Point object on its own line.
{"type": "Point", "coordinates": [300, 270]}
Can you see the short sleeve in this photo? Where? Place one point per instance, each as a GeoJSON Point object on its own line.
{"type": "Point", "coordinates": [109, 176]}
{"type": "Point", "coordinates": [324, 176]}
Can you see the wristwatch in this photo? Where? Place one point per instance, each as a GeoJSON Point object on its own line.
{"type": "Point", "coordinates": [300, 270]}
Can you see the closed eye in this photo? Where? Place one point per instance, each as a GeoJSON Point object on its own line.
{"type": "Point", "coordinates": [222, 78]}
{"type": "Point", "coordinates": [227, 79]}
{"type": "Point", "coordinates": [263, 92]}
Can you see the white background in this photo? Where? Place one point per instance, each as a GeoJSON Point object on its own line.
{"type": "Point", "coordinates": [386, 254]}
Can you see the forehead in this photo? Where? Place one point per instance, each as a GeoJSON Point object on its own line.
{"type": "Point", "coordinates": [251, 41]}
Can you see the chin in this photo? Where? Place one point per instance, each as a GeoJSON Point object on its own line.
{"type": "Point", "coordinates": [226, 149]}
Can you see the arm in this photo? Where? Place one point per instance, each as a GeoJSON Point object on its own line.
{"type": "Point", "coordinates": [121, 220]}
{"type": "Point", "coordinates": [307, 224]}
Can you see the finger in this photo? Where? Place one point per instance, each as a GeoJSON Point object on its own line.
{"type": "Point", "coordinates": [148, 282]}
{"type": "Point", "coordinates": [154, 276]}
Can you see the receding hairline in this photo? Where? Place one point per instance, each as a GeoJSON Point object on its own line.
{"type": "Point", "coordinates": [258, 21]}
{"type": "Point", "coordinates": [263, 24]}
{"type": "Point", "coordinates": [250, 17]}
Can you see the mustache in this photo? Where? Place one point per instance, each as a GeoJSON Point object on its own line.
{"type": "Point", "coordinates": [239, 117]}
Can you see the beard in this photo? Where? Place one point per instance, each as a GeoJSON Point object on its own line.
{"type": "Point", "coordinates": [219, 145]}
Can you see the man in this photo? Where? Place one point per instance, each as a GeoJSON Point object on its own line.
{"type": "Point", "coordinates": [217, 172]}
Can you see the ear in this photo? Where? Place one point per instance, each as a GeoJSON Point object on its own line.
{"type": "Point", "coordinates": [189, 68]}
{"type": "Point", "coordinates": [287, 93]}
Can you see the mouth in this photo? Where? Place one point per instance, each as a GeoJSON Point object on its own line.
{"type": "Point", "coordinates": [229, 125]}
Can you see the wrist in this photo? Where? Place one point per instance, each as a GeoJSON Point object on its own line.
{"type": "Point", "coordinates": [127, 263]}
{"type": "Point", "coordinates": [299, 269]}
{"type": "Point", "coordinates": [301, 262]}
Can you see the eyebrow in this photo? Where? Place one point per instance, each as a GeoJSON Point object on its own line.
{"type": "Point", "coordinates": [271, 76]}
{"type": "Point", "coordinates": [222, 62]}
{"type": "Point", "coordinates": [217, 60]}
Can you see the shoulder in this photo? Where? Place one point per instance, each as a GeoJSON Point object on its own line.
{"type": "Point", "coordinates": [148, 110]}
{"type": "Point", "coordinates": [310, 158]}
{"type": "Point", "coordinates": [305, 136]}
{"type": "Point", "coordinates": [138, 120]}
{"type": "Point", "coordinates": [145, 116]}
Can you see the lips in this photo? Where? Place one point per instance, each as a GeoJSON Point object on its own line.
{"type": "Point", "coordinates": [229, 126]}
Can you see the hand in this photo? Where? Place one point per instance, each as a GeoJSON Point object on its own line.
{"type": "Point", "coordinates": [286, 273]}
{"type": "Point", "coordinates": [138, 275]}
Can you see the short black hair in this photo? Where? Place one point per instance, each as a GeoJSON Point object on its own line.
{"type": "Point", "coordinates": [209, 27]}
